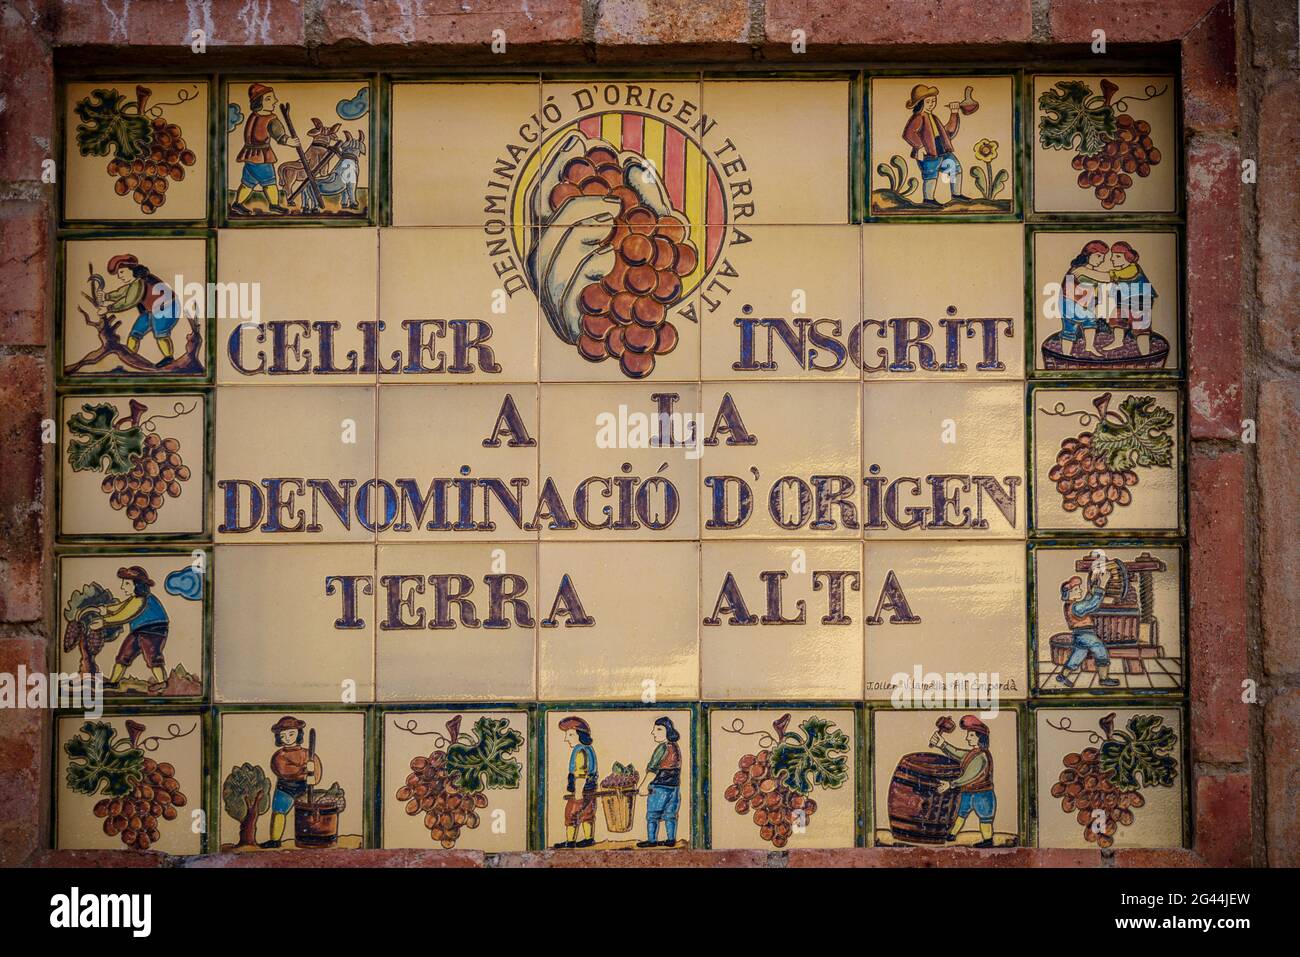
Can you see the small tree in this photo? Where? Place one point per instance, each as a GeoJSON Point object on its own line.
{"type": "Point", "coordinates": [246, 795]}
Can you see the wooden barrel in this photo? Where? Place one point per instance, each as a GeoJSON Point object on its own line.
{"type": "Point", "coordinates": [316, 825]}
{"type": "Point", "coordinates": [918, 813]}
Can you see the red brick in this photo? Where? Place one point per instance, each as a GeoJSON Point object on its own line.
{"type": "Point", "coordinates": [1217, 628]}
{"type": "Point", "coordinates": [1137, 21]}
{"type": "Point", "coordinates": [1282, 766]}
{"type": "Point", "coordinates": [650, 858]}
{"type": "Point", "coordinates": [394, 22]}
{"type": "Point", "coordinates": [27, 91]}
{"type": "Point", "coordinates": [910, 857]}
{"type": "Point", "coordinates": [1279, 526]}
{"type": "Point", "coordinates": [1210, 72]}
{"type": "Point", "coordinates": [137, 859]}
{"type": "Point", "coordinates": [24, 381]}
{"type": "Point", "coordinates": [25, 265]}
{"type": "Point", "coordinates": [235, 23]}
{"type": "Point", "coordinates": [672, 21]}
{"type": "Point", "coordinates": [1214, 288]}
{"type": "Point", "coordinates": [1223, 822]}
{"type": "Point", "coordinates": [1277, 203]}
{"type": "Point", "coordinates": [19, 840]}
{"type": "Point", "coordinates": [341, 857]}
{"type": "Point", "coordinates": [1157, 857]}
{"type": "Point", "coordinates": [940, 22]}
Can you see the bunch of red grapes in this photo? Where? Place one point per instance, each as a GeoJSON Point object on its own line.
{"type": "Point", "coordinates": [155, 475]}
{"type": "Point", "coordinates": [430, 789]}
{"type": "Point", "coordinates": [625, 315]}
{"type": "Point", "coordinates": [134, 817]}
{"type": "Point", "coordinates": [1086, 482]}
{"type": "Point", "coordinates": [1085, 789]}
{"type": "Point", "coordinates": [774, 806]}
{"type": "Point", "coordinates": [1109, 172]}
{"type": "Point", "coordinates": [148, 177]}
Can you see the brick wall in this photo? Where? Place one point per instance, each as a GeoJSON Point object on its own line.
{"type": "Point", "coordinates": [1242, 97]}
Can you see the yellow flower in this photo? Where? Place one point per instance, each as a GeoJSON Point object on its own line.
{"type": "Point", "coordinates": [986, 151]}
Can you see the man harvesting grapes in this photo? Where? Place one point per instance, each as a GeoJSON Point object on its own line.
{"type": "Point", "coordinates": [975, 782]}
{"type": "Point", "coordinates": [155, 305]}
{"type": "Point", "coordinates": [148, 622]}
{"type": "Point", "coordinates": [580, 806]}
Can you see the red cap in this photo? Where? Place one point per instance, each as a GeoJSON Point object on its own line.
{"type": "Point", "coordinates": [126, 259]}
{"type": "Point", "coordinates": [288, 723]}
{"type": "Point", "coordinates": [971, 723]}
{"type": "Point", "coordinates": [257, 89]}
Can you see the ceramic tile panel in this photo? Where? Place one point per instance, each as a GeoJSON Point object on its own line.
{"type": "Point", "coordinates": [619, 463]}
{"type": "Point", "coordinates": [298, 150]}
{"type": "Point", "coordinates": [135, 307]}
{"type": "Point", "coordinates": [1107, 460]}
{"type": "Point", "coordinates": [308, 317]}
{"type": "Point", "coordinates": [132, 464]}
{"type": "Point", "coordinates": [456, 622]}
{"type": "Point", "coordinates": [292, 779]}
{"type": "Point", "coordinates": [1105, 144]}
{"type": "Point", "coordinates": [615, 779]}
{"type": "Point", "coordinates": [945, 617]}
{"type": "Point", "coordinates": [781, 461]}
{"type": "Point", "coordinates": [946, 777]}
{"type": "Point", "coordinates": [294, 622]}
{"type": "Point", "coordinates": [297, 465]}
{"type": "Point", "coordinates": [130, 781]}
{"type": "Point", "coordinates": [1108, 619]}
{"type": "Point", "coordinates": [136, 151]}
{"type": "Point", "coordinates": [452, 312]}
{"type": "Point", "coordinates": [606, 635]}
{"type": "Point", "coordinates": [1107, 302]}
{"type": "Point", "coordinates": [943, 302]}
{"type": "Point", "coordinates": [781, 620]}
{"type": "Point", "coordinates": [785, 304]}
{"type": "Point", "coordinates": [943, 460]}
{"type": "Point", "coordinates": [1111, 777]}
{"type": "Point", "coordinates": [943, 145]}
{"type": "Point", "coordinates": [456, 779]}
{"type": "Point", "coordinates": [476, 480]}
{"type": "Point", "coordinates": [136, 619]}
{"type": "Point", "coordinates": [781, 151]}
{"type": "Point", "coordinates": [783, 777]}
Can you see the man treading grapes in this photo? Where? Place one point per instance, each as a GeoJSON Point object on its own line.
{"type": "Point", "coordinates": [147, 619]}
{"type": "Point", "coordinates": [932, 142]}
{"type": "Point", "coordinates": [1079, 609]}
{"type": "Point", "coordinates": [157, 309]}
{"type": "Point", "coordinates": [295, 769]}
{"type": "Point", "coordinates": [580, 803]}
{"type": "Point", "coordinates": [975, 782]}
{"type": "Point", "coordinates": [260, 129]}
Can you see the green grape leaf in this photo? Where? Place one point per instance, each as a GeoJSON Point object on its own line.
{"type": "Point", "coordinates": [106, 126]}
{"type": "Point", "coordinates": [94, 762]}
{"type": "Point", "coordinates": [487, 762]}
{"type": "Point", "coordinates": [815, 758]}
{"type": "Point", "coordinates": [97, 445]}
{"type": "Point", "coordinates": [1073, 118]}
{"type": "Point", "coordinates": [1142, 439]}
{"type": "Point", "coordinates": [1140, 757]}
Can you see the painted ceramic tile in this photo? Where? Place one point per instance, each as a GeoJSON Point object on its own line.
{"type": "Point", "coordinates": [136, 619]}
{"type": "Point", "coordinates": [132, 464]}
{"type": "Point", "coordinates": [297, 150]}
{"type": "Point", "coordinates": [477, 480]}
{"type": "Point", "coordinates": [1104, 143]}
{"type": "Point", "coordinates": [781, 620]}
{"type": "Point", "coordinates": [1108, 619]}
{"type": "Point", "coordinates": [943, 460]}
{"type": "Point", "coordinates": [767, 138]}
{"type": "Point", "coordinates": [294, 623]}
{"type": "Point", "coordinates": [295, 780]}
{"type": "Point", "coordinates": [946, 777]}
{"type": "Point", "coordinates": [296, 464]}
{"type": "Point", "coordinates": [135, 307]}
{"type": "Point", "coordinates": [1110, 777]}
{"type": "Point", "coordinates": [1106, 460]}
{"type": "Point", "coordinates": [456, 622]}
{"type": "Point", "coordinates": [943, 145]}
{"type": "Point", "coordinates": [945, 617]}
{"type": "Point", "coordinates": [130, 781]}
{"type": "Point", "coordinates": [1107, 301]}
{"type": "Point", "coordinates": [305, 318]}
{"type": "Point", "coordinates": [452, 313]}
{"type": "Point", "coordinates": [618, 636]}
{"type": "Point", "coordinates": [785, 304]}
{"type": "Point", "coordinates": [462, 169]}
{"type": "Point", "coordinates": [943, 301]}
{"type": "Point", "coordinates": [618, 778]}
{"type": "Point", "coordinates": [619, 462]}
{"type": "Point", "coordinates": [456, 779]}
{"type": "Point", "coordinates": [781, 461]}
{"type": "Point", "coordinates": [782, 777]}
{"type": "Point", "coordinates": [136, 151]}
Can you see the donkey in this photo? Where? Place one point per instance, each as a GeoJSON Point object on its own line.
{"type": "Point", "coordinates": [342, 179]}
{"type": "Point", "coordinates": [291, 174]}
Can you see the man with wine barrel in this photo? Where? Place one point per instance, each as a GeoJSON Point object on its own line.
{"type": "Point", "coordinates": [975, 782]}
{"type": "Point", "coordinates": [260, 129]}
{"type": "Point", "coordinates": [1079, 609]}
{"type": "Point", "coordinates": [295, 769]}
{"type": "Point", "coordinates": [580, 803]}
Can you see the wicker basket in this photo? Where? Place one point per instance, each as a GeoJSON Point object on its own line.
{"type": "Point", "coordinates": [619, 804]}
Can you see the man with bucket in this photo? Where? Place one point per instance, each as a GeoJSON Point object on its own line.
{"type": "Point", "coordinates": [295, 768]}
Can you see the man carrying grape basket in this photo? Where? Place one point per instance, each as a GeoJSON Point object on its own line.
{"type": "Point", "coordinates": [580, 804]}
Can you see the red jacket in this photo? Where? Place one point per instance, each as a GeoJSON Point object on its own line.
{"type": "Point", "coordinates": [920, 134]}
